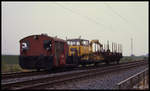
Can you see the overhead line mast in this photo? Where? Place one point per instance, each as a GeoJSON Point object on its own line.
{"type": "Point", "coordinates": [131, 46]}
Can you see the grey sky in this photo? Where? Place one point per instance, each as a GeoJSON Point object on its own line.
{"type": "Point", "coordinates": [113, 21]}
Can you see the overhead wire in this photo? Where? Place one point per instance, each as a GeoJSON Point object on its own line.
{"type": "Point", "coordinates": [115, 12]}
{"type": "Point", "coordinates": [122, 17]}
{"type": "Point", "coordinates": [84, 16]}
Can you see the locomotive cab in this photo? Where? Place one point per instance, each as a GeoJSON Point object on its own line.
{"type": "Point", "coordinates": [79, 50]}
{"type": "Point", "coordinates": [42, 52]}
{"type": "Point", "coordinates": [78, 47]}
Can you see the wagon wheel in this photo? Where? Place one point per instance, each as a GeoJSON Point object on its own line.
{"type": "Point", "coordinates": [96, 64]}
{"type": "Point", "coordinates": [107, 62]}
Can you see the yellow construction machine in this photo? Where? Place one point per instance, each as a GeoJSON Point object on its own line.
{"type": "Point", "coordinates": [87, 51]}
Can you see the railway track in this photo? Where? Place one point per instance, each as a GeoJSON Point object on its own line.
{"type": "Point", "coordinates": [21, 74]}
{"type": "Point", "coordinates": [53, 79]}
{"type": "Point", "coordinates": [32, 73]}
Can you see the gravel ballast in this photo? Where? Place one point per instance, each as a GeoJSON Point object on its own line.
{"type": "Point", "coordinates": [103, 81]}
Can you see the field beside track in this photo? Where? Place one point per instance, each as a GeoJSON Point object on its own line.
{"type": "Point", "coordinates": [133, 58]}
{"type": "Point", "coordinates": [10, 59]}
{"type": "Point", "coordinates": [10, 63]}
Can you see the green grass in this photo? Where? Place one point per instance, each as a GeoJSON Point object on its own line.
{"type": "Point", "coordinates": [6, 68]}
{"type": "Point", "coordinates": [10, 63]}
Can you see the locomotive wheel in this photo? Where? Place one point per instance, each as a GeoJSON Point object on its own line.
{"type": "Point", "coordinates": [37, 69]}
{"type": "Point", "coordinates": [38, 63]}
{"type": "Point", "coordinates": [50, 65]}
{"type": "Point", "coordinates": [37, 66]}
{"type": "Point", "coordinates": [49, 70]}
{"type": "Point", "coordinates": [117, 61]}
{"type": "Point", "coordinates": [75, 60]}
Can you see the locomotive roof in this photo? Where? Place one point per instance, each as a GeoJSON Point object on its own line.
{"type": "Point", "coordinates": [77, 40]}
{"type": "Point", "coordinates": [54, 38]}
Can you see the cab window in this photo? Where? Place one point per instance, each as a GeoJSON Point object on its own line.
{"type": "Point", "coordinates": [48, 45]}
{"type": "Point", "coordinates": [73, 43]}
{"type": "Point", "coordinates": [85, 43]}
{"type": "Point", "coordinates": [25, 45]}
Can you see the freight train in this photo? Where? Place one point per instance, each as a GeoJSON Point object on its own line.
{"type": "Point", "coordinates": [46, 52]}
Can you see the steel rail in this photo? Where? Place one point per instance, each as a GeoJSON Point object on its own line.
{"type": "Point", "coordinates": [31, 73]}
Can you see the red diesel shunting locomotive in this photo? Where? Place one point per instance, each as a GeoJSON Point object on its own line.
{"type": "Point", "coordinates": [42, 52]}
